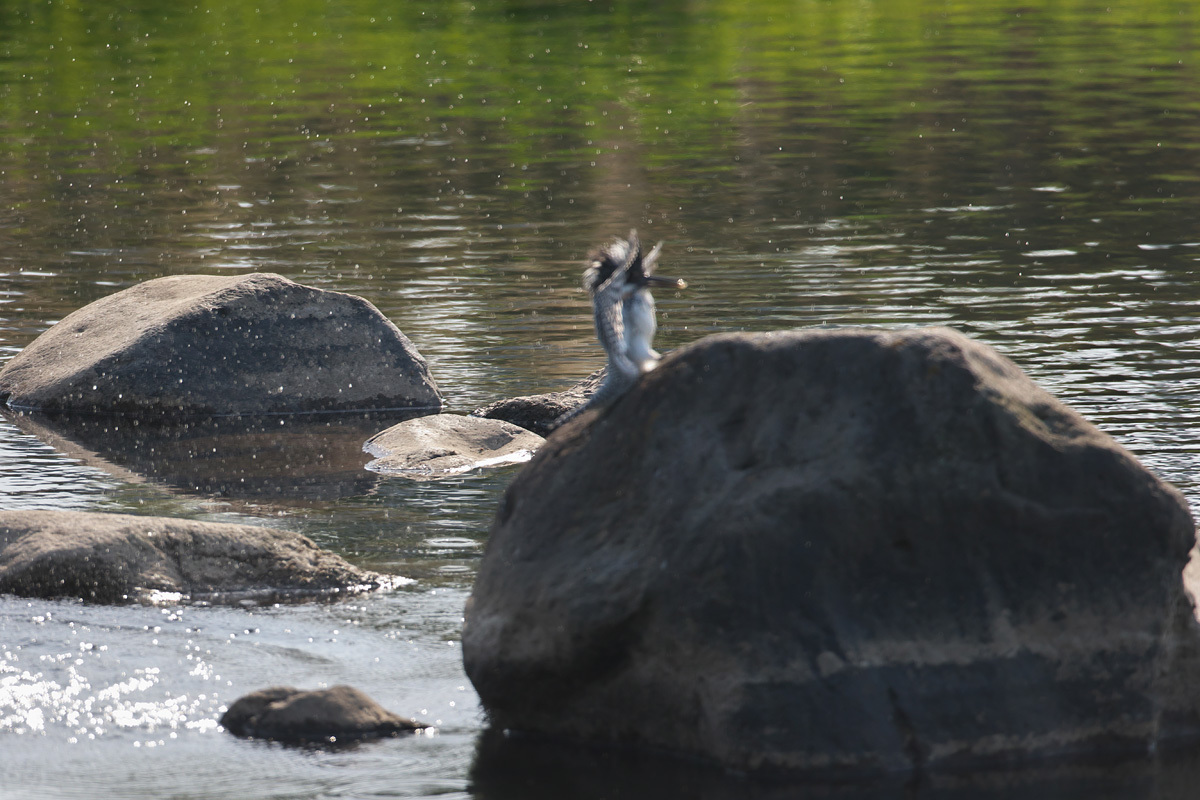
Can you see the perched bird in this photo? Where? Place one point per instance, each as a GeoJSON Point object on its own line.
{"type": "Point", "coordinates": [619, 278]}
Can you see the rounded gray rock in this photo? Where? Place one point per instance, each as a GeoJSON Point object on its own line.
{"type": "Point", "coordinates": [336, 714]}
{"type": "Point", "coordinates": [841, 553]}
{"type": "Point", "coordinates": [206, 344]}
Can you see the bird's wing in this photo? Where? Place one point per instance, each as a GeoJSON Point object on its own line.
{"type": "Point", "coordinates": [610, 328]}
{"type": "Point", "coordinates": [635, 249]}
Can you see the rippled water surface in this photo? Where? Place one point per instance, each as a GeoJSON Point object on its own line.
{"type": "Point", "coordinates": [1027, 173]}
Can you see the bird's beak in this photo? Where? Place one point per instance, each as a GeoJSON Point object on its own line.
{"type": "Point", "coordinates": [674, 283]}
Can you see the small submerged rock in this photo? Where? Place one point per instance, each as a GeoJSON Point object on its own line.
{"type": "Point", "coordinates": [538, 412]}
{"type": "Point", "coordinates": [336, 714]}
{"type": "Point", "coordinates": [443, 445]}
{"type": "Point", "coordinates": [208, 344]}
{"type": "Point", "coordinates": [118, 558]}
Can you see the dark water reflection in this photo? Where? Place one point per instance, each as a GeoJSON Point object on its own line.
{"type": "Point", "coordinates": [506, 768]}
{"type": "Point", "coordinates": [276, 459]}
{"type": "Point", "coordinates": [1027, 173]}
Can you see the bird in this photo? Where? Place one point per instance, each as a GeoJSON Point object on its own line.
{"type": "Point", "coordinates": [619, 278]}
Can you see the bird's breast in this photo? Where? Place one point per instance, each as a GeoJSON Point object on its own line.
{"type": "Point", "coordinates": [640, 326]}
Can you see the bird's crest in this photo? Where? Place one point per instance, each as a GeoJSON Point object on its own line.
{"type": "Point", "coordinates": [618, 261]}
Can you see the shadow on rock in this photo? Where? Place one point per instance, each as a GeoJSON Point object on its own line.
{"type": "Point", "coordinates": [274, 458]}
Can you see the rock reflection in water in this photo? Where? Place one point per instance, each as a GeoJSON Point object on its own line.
{"type": "Point", "coordinates": [511, 767]}
{"type": "Point", "coordinates": [277, 458]}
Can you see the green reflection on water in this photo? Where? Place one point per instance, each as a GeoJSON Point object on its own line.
{"type": "Point", "coordinates": [808, 162]}
{"type": "Point", "coordinates": [193, 96]}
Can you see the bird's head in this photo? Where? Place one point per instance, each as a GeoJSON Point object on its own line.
{"type": "Point", "coordinates": [622, 260]}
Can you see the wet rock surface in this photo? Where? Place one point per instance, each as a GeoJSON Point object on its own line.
{"type": "Point", "coordinates": [336, 714]}
{"type": "Point", "coordinates": [201, 344]}
{"type": "Point", "coordinates": [839, 553]}
{"type": "Point", "coordinates": [443, 445]}
{"type": "Point", "coordinates": [537, 412]}
{"type": "Point", "coordinates": [117, 558]}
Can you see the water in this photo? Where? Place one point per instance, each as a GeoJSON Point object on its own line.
{"type": "Point", "coordinates": [1028, 174]}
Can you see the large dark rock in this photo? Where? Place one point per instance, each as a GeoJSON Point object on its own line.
{"type": "Point", "coordinates": [336, 714]}
{"type": "Point", "coordinates": [116, 558]}
{"type": "Point", "coordinates": [445, 445]}
{"type": "Point", "coordinates": [205, 344]}
{"type": "Point", "coordinates": [537, 412]}
{"type": "Point", "coordinates": [842, 553]}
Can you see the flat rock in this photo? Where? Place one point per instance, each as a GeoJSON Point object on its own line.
{"type": "Point", "coordinates": [842, 553]}
{"type": "Point", "coordinates": [117, 558]}
{"type": "Point", "coordinates": [537, 412]}
{"type": "Point", "coordinates": [336, 714]}
{"type": "Point", "coordinates": [207, 344]}
{"type": "Point", "coordinates": [444, 445]}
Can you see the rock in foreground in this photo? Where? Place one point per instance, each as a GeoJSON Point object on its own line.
{"type": "Point", "coordinates": [444, 445]}
{"type": "Point", "coordinates": [115, 558]}
{"type": "Point", "coordinates": [203, 344]}
{"type": "Point", "coordinates": [841, 553]}
{"type": "Point", "coordinates": [337, 714]}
